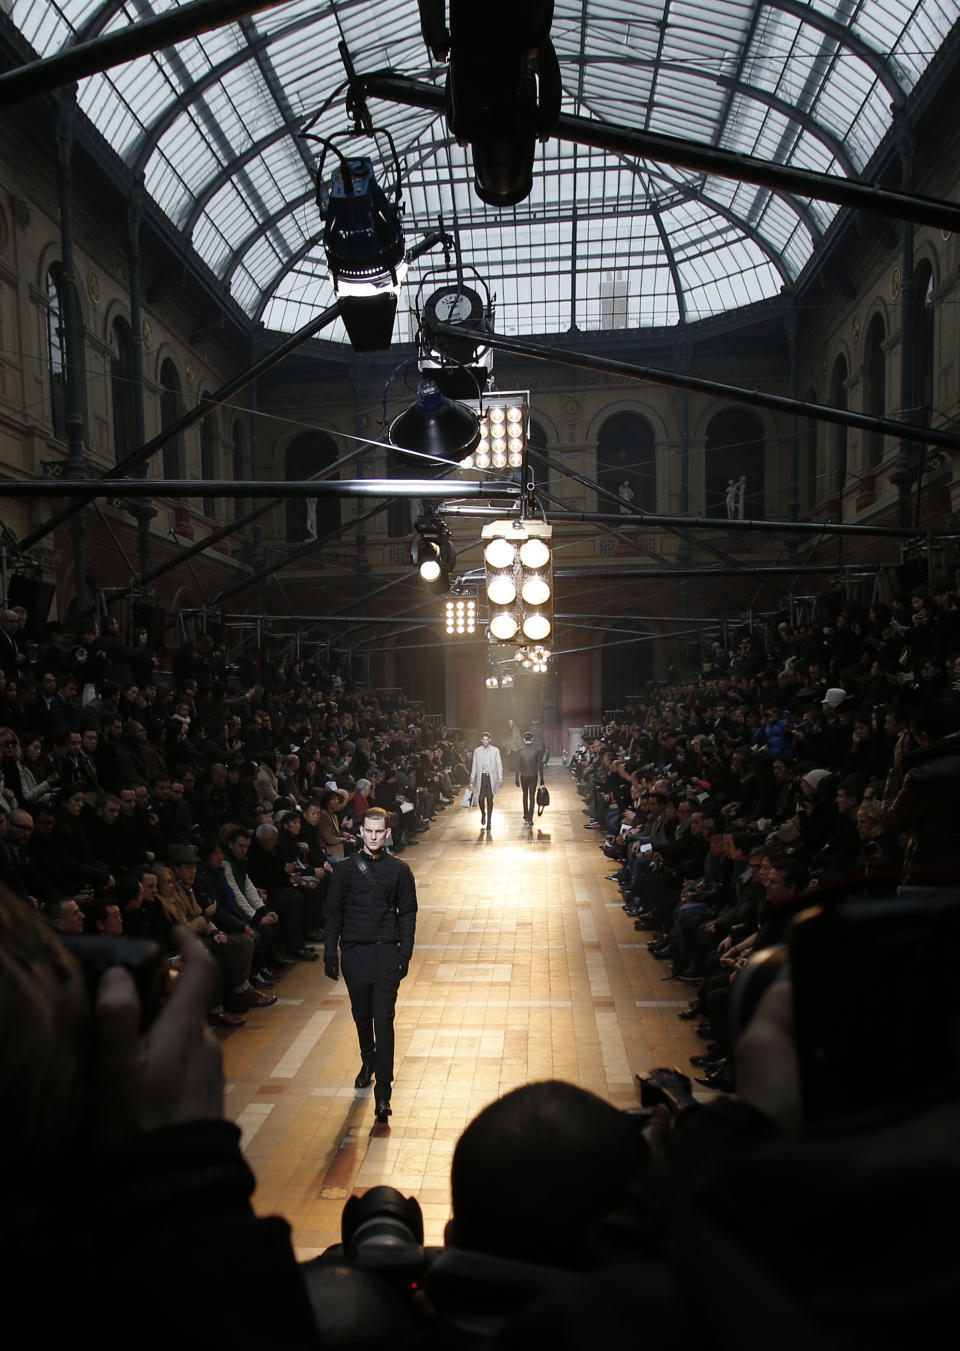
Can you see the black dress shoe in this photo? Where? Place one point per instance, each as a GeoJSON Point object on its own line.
{"type": "Point", "coordinates": [694, 1011]}
{"type": "Point", "coordinates": [721, 1079]}
{"type": "Point", "coordinates": [306, 955]}
{"type": "Point", "coordinates": [382, 1109]}
{"type": "Point", "coordinates": [705, 1031]}
{"type": "Point", "coordinates": [709, 1061]}
{"type": "Point", "coordinates": [365, 1078]}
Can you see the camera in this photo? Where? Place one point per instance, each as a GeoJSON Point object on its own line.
{"type": "Point", "coordinates": [382, 1238]}
{"type": "Point", "coordinates": [143, 959]}
{"type": "Point", "coordinates": [668, 1086]}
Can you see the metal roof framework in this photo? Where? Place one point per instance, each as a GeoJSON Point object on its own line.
{"type": "Point", "coordinates": [210, 126]}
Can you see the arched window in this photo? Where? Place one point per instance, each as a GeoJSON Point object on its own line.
{"type": "Point", "coordinates": [56, 354]}
{"type": "Point", "coordinates": [314, 517]}
{"type": "Point", "coordinates": [875, 387]}
{"type": "Point", "coordinates": [209, 470]}
{"type": "Point", "coordinates": [923, 382]}
{"type": "Point", "coordinates": [734, 465]}
{"type": "Point", "coordinates": [627, 461]}
{"type": "Point", "coordinates": [123, 390]}
{"type": "Point", "coordinates": [171, 408]}
{"type": "Point", "coordinates": [838, 431]}
{"type": "Point", "coordinates": [809, 488]}
{"type": "Point", "coordinates": [239, 465]}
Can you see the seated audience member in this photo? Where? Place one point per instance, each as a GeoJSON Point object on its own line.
{"type": "Point", "coordinates": [212, 886]}
{"type": "Point", "coordinates": [67, 849]}
{"type": "Point", "coordinates": [296, 908]}
{"type": "Point", "coordinates": [233, 951]}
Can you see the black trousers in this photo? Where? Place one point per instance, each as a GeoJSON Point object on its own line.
{"type": "Point", "coordinates": [529, 787]}
{"type": "Point", "coordinates": [372, 974]}
{"type": "Point", "coordinates": [485, 797]}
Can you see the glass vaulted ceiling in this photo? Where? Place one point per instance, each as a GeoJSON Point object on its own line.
{"type": "Point", "coordinates": [603, 241]}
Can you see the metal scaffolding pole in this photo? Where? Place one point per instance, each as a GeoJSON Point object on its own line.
{"type": "Point", "coordinates": [659, 574]}
{"type": "Point", "coordinates": [719, 523]}
{"type": "Point", "coordinates": [344, 487]}
{"type": "Point", "coordinates": [124, 44]}
{"type": "Point", "coordinates": [779, 403]}
{"type": "Point", "coordinates": [207, 404]}
{"type": "Point", "coordinates": [701, 158]}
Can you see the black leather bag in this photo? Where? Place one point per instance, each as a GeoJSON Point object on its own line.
{"type": "Point", "coordinates": [543, 798]}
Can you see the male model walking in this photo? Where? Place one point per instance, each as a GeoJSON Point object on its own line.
{"type": "Point", "coordinates": [370, 913]}
{"type": "Point", "coordinates": [486, 776]}
{"type": "Point", "coordinates": [529, 765]}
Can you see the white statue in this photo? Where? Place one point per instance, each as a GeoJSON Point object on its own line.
{"type": "Point", "coordinates": [625, 493]}
{"type": "Point", "coordinates": [311, 518]}
{"type": "Point", "coordinates": [730, 499]}
{"type": "Point", "coordinates": [741, 496]}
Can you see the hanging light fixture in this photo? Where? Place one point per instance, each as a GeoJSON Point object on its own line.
{"type": "Point", "coordinates": [519, 580]}
{"type": "Point", "coordinates": [364, 246]}
{"type": "Point", "coordinates": [435, 426]}
{"type": "Point", "coordinates": [432, 552]}
{"type": "Point", "coordinates": [504, 421]}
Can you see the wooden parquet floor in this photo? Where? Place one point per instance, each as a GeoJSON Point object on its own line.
{"type": "Point", "coordinates": [525, 968]}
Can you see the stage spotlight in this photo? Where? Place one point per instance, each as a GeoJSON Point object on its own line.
{"type": "Point", "coordinates": [503, 86]}
{"type": "Point", "coordinates": [432, 552]}
{"type": "Point", "coordinates": [364, 245]}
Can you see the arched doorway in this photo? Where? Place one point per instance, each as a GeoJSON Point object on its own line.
{"type": "Point", "coordinates": [627, 461]}
{"type": "Point", "coordinates": [305, 456]}
{"type": "Point", "coordinates": [735, 456]}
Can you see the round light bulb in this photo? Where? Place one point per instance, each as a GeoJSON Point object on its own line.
{"type": "Point", "coordinates": [503, 626]}
{"type": "Point", "coordinates": [483, 461]}
{"type": "Point", "coordinates": [466, 462]}
{"type": "Point", "coordinates": [499, 553]}
{"type": "Point", "coordinates": [502, 590]}
{"type": "Point", "coordinates": [536, 627]}
{"type": "Point", "coordinates": [535, 591]}
{"type": "Point", "coordinates": [497, 415]}
{"type": "Point", "coordinates": [515, 459]}
{"type": "Point", "coordinates": [514, 414]}
{"type": "Point", "coordinates": [515, 444]}
{"type": "Point", "coordinates": [534, 553]}
{"type": "Point", "coordinates": [430, 570]}
{"type": "Point", "coordinates": [499, 460]}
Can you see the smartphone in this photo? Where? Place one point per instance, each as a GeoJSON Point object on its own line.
{"type": "Point", "coordinates": [646, 848]}
{"type": "Point", "coordinates": [876, 1001]}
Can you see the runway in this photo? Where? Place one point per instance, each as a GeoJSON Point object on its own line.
{"type": "Point", "coordinates": [525, 968]}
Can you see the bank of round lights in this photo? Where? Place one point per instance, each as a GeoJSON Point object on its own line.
{"type": "Point", "coordinates": [518, 581]}
{"type": "Point", "coordinates": [460, 616]}
{"type": "Point", "coordinates": [503, 434]}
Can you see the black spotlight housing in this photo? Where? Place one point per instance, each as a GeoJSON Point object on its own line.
{"type": "Point", "coordinates": [435, 426]}
{"type": "Point", "coordinates": [503, 86]}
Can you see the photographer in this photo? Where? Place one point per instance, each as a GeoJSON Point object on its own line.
{"type": "Point", "coordinates": [118, 1146]}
